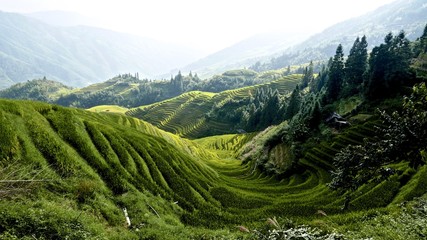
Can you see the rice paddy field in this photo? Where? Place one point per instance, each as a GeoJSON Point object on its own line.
{"type": "Point", "coordinates": [70, 173]}
{"type": "Point", "coordinates": [186, 115]}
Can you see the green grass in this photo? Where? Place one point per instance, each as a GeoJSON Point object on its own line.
{"type": "Point", "coordinates": [109, 108]}
{"type": "Point", "coordinates": [94, 161]}
{"type": "Point", "coordinates": [89, 166]}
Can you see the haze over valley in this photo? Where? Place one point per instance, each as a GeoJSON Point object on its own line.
{"type": "Point", "coordinates": [187, 36]}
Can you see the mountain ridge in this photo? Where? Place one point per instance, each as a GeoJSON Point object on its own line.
{"type": "Point", "coordinates": [28, 50]}
{"type": "Point", "coordinates": [408, 15]}
{"type": "Point", "coordinates": [243, 53]}
{"type": "Point", "coordinates": [63, 18]}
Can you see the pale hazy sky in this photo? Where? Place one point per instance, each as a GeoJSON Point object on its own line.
{"type": "Point", "coordinates": [209, 25]}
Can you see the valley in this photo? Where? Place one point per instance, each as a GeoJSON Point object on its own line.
{"type": "Point", "coordinates": [326, 140]}
{"type": "Point", "coordinates": [103, 162]}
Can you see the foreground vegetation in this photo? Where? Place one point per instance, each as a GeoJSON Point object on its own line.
{"type": "Point", "coordinates": [74, 174]}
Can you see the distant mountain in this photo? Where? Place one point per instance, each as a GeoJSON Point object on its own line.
{"type": "Point", "coordinates": [63, 18]}
{"type": "Point", "coordinates": [407, 15]}
{"type": "Point", "coordinates": [244, 53]}
{"type": "Point", "coordinates": [79, 55]}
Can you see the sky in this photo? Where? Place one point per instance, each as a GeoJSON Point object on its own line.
{"type": "Point", "coordinates": [207, 25]}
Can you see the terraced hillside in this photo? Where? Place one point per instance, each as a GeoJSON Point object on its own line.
{"type": "Point", "coordinates": [305, 192]}
{"type": "Point", "coordinates": [187, 114]}
{"type": "Point", "coordinates": [99, 163]}
{"type": "Point", "coordinates": [80, 169]}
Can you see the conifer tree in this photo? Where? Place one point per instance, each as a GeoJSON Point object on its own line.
{"type": "Point", "coordinates": [319, 82]}
{"type": "Point", "coordinates": [178, 83]}
{"type": "Point", "coordinates": [336, 75]}
{"type": "Point", "coordinates": [294, 103]}
{"type": "Point", "coordinates": [288, 70]}
{"type": "Point", "coordinates": [423, 40]}
{"type": "Point", "coordinates": [315, 116]}
{"type": "Point", "coordinates": [356, 65]}
{"type": "Point", "coordinates": [420, 63]}
{"type": "Point", "coordinates": [308, 75]}
{"type": "Point", "coordinates": [389, 67]}
{"type": "Point", "coordinates": [378, 63]}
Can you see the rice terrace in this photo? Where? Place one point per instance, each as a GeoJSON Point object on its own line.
{"type": "Point", "coordinates": [323, 139]}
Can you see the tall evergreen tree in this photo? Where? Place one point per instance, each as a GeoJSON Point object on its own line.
{"type": "Point", "coordinates": [319, 82]}
{"type": "Point", "coordinates": [401, 56]}
{"type": "Point", "coordinates": [288, 70]}
{"type": "Point", "coordinates": [315, 116]}
{"type": "Point", "coordinates": [420, 64]}
{"type": "Point", "coordinates": [336, 75]}
{"type": "Point", "coordinates": [423, 40]}
{"type": "Point", "coordinates": [178, 85]}
{"type": "Point", "coordinates": [378, 63]}
{"type": "Point", "coordinates": [308, 75]}
{"type": "Point", "coordinates": [294, 103]}
{"type": "Point", "coordinates": [356, 65]}
{"type": "Point", "coordinates": [389, 67]}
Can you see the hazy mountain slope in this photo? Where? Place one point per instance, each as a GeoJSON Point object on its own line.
{"type": "Point", "coordinates": [243, 53]}
{"type": "Point", "coordinates": [63, 18]}
{"type": "Point", "coordinates": [79, 55]}
{"type": "Point", "coordinates": [407, 15]}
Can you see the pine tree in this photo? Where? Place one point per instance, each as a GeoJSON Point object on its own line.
{"type": "Point", "coordinates": [319, 82]}
{"type": "Point", "coordinates": [336, 75]}
{"type": "Point", "coordinates": [288, 70]}
{"type": "Point", "coordinates": [178, 83]}
{"type": "Point", "coordinates": [400, 62]}
{"type": "Point", "coordinates": [389, 67]}
{"type": "Point", "coordinates": [379, 62]}
{"type": "Point", "coordinates": [423, 40]}
{"type": "Point", "coordinates": [420, 63]}
{"type": "Point", "coordinates": [356, 65]}
{"type": "Point", "coordinates": [315, 116]}
{"type": "Point", "coordinates": [308, 75]}
{"type": "Point", "coordinates": [294, 103]}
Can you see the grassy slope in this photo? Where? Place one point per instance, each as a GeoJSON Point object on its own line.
{"type": "Point", "coordinates": [374, 207]}
{"type": "Point", "coordinates": [173, 188]}
{"type": "Point", "coordinates": [95, 164]}
{"type": "Point", "coordinates": [109, 108]}
{"type": "Point", "coordinates": [185, 115]}
{"type": "Point", "coordinates": [41, 90]}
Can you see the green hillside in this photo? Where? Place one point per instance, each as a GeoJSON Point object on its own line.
{"type": "Point", "coordinates": [38, 90]}
{"type": "Point", "coordinates": [68, 173]}
{"type": "Point", "coordinates": [128, 90]}
{"type": "Point", "coordinates": [187, 114]}
{"type": "Point", "coordinates": [85, 167]}
{"type": "Point", "coordinates": [336, 155]}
